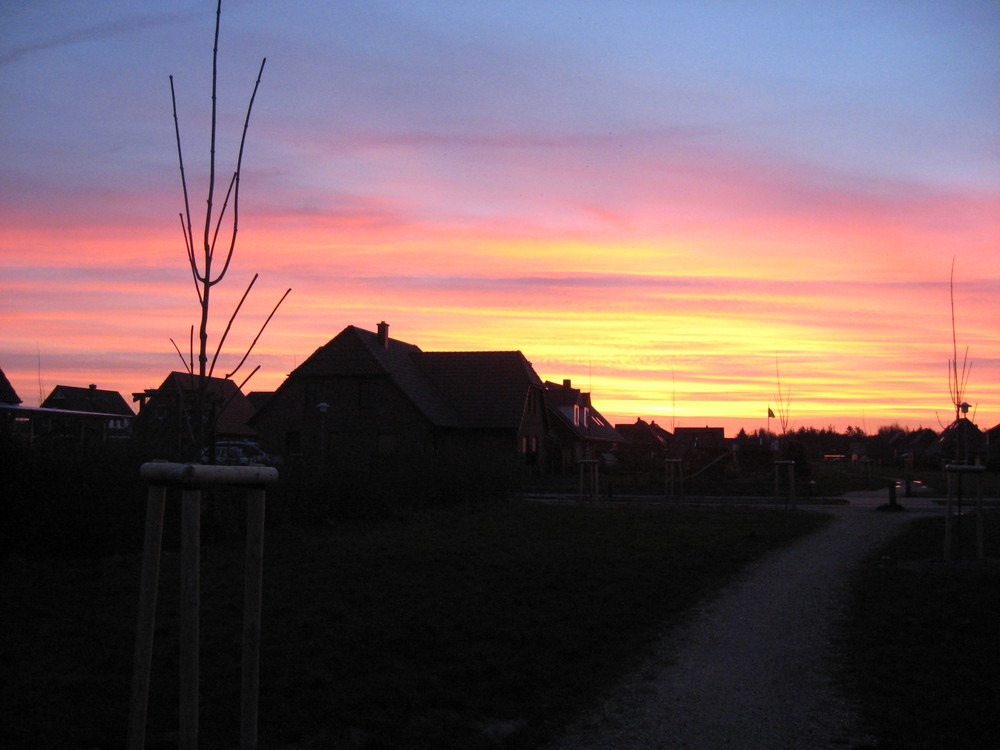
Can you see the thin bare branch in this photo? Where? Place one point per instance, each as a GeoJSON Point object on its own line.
{"type": "Point", "coordinates": [191, 260]}
{"type": "Point", "coordinates": [257, 337]}
{"type": "Point", "coordinates": [222, 213]}
{"type": "Point", "coordinates": [183, 361]}
{"type": "Point", "coordinates": [239, 388]}
{"type": "Point", "coordinates": [239, 168]}
{"type": "Point", "coordinates": [211, 159]}
{"type": "Point", "coordinates": [247, 378]}
{"type": "Point", "coordinates": [229, 325]}
{"type": "Point", "coordinates": [188, 233]}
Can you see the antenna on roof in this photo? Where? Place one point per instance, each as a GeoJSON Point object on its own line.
{"type": "Point", "coordinates": [38, 354]}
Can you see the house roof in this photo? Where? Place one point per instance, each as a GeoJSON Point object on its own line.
{"type": "Point", "coordinates": [236, 408]}
{"type": "Point", "coordinates": [357, 352]}
{"type": "Point", "coordinates": [562, 400]}
{"type": "Point", "coordinates": [7, 393]}
{"type": "Point", "coordinates": [91, 399]}
{"type": "Point", "coordinates": [487, 389]}
{"type": "Point", "coordinates": [259, 398]}
{"type": "Point", "coordinates": [483, 390]}
{"type": "Point", "coordinates": [642, 432]}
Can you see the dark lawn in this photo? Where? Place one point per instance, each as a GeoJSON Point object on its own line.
{"type": "Point", "coordinates": [924, 641]}
{"type": "Point", "coordinates": [465, 629]}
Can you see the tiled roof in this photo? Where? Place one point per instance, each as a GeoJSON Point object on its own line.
{"type": "Point", "coordinates": [641, 433]}
{"type": "Point", "coordinates": [92, 399]}
{"type": "Point", "coordinates": [486, 389]}
{"type": "Point", "coordinates": [452, 389]}
{"type": "Point", "coordinates": [7, 393]}
{"type": "Point", "coordinates": [236, 408]}
{"type": "Point", "coordinates": [561, 399]}
{"type": "Point", "coordinates": [357, 352]}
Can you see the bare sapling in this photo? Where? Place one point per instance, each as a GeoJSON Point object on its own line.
{"type": "Point", "coordinates": [219, 230]}
{"type": "Point", "coordinates": [957, 378]}
{"type": "Point", "coordinates": [783, 398]}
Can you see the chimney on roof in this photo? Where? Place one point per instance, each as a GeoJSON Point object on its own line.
{"type": "Point", "coordinates": [383, 334]}
{"type": "Point", "coordinates": [567, 383]}
{"type": "Point", "coordinates": [93, 387]}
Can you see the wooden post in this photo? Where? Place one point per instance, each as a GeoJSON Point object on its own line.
{"type": "Point", "coordinates": [956, 474]}
{"type": "Point", "coordinates": [947, 515]}
{"type": "Point", "coordinates": [190, 606]}
{"type": "Point", "coordinates": [253, 571]}
{"type": "Point", "coordinates": [675, 476]}
{"type": "Point", "coordinates": [790, 495]}
{"type": "Point", "coordinates": [146, 621]}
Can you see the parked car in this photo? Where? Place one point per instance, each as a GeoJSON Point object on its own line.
{"type": "Point", "coordinates": [239, 453]}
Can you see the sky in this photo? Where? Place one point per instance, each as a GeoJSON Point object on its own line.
{"type": "Point", "coordinates": [684, 207]}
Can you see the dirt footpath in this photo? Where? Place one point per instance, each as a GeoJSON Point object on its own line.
{"type": "Point", "coordinates": [751, 669]}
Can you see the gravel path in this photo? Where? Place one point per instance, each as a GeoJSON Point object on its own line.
{"type": "Point", "coordinates": [750, 669]}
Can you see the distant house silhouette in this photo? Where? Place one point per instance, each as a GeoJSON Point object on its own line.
{"type": "Point", "coordinates": [70, 416]}
{"type": "Point", "coordinates": [961, 442]}
{"type": "Point", "coordinates": [7, 393]}
{"type": "Point", "coordinates": [164, 424]}
{"type": "Point", "coordinates": [578, 431]}
{"type": "Point", "coordinates": [86, 415]}
{"type": "Point", "coordinates": [89, 399]}
{"type": "Point", "coordinates": [366, 397]}
{"type": "Point", "coordinates": [647, 446]}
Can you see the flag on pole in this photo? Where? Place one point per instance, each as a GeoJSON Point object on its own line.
{"type": "Point", "coordinates": [770, 414]}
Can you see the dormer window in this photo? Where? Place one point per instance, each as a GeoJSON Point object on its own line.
{"type": "Point", "coordinates": [576, 415]}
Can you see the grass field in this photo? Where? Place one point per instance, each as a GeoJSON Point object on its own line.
{"type": "Point", "coordinates": [476, 628]}
{"type": "Point", "coordinates": [923, 640]}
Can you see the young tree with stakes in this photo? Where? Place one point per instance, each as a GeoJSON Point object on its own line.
{"type": "Point", "coordinates": [205, 271]}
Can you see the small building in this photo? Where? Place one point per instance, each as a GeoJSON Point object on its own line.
{"type": "Point", "coordinates": [646, 448]}
{"type": "Point", "coordinates": [8, 395]}
{"type": "Point", "coordinates": [74, 414]}
{"type": "Point", "coordinates": [578, 431]}
{"type": "Point", "coordinates": [364, 397]}
{"type": "Point", "coordinates": [700, 446]}
{"type": "Point", "coordinates": [165, 426]}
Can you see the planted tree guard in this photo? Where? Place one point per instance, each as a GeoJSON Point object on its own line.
{"type": "Point", "coordinates": [956, 473]}
{"type": "Point", "coordinates": [191, 478]}
{"type": "Point", "coordinates": [787, 467]}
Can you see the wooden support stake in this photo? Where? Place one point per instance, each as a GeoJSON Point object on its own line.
{"type": "Point", "coordinates": [190, 606]}
{"type": "Point", "coordinates": [142, 662]}
{"type": "Point", "coordinates": [251, 617]}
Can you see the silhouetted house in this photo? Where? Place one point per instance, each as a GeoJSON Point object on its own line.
{"type": "Point", "coordinates": [577, 430]}
{"type": "Point", "coordinates": [365, 397]}
{"type": "Point", "coordinates": [7, 393]}
{"type": "Point", "coordinates": [918, 446]}
{"type": "Point", "coordinates": [645, 448]}
{"type": "Point", "coordinates": [699, 446]}
{"type": "Point", "coordinates": [259, 398]}
{"type": "Point", "coordinates": [85, 416]}
{"type": "Point", "coordinates": [164, 425]}
{"type": "Point", "coordinates": [961, 442]}
{"type": "Point", "coordinates": [10, 417]}
{"type": "Point", "coordinates": [993, 448]}
{"type": "Point", "coordinates": [91, 399]}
